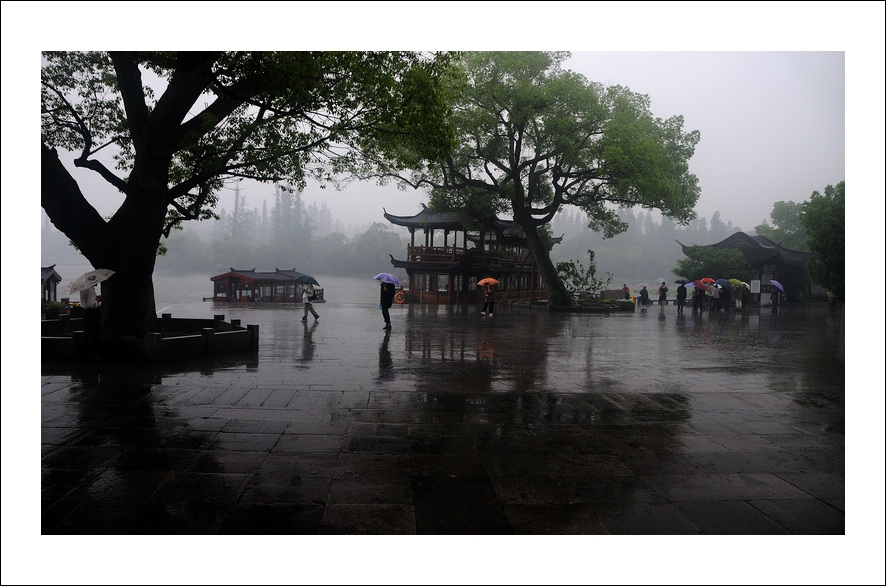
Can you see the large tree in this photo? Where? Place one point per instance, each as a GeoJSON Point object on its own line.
{"type": "Point", "coordinates": [533, 138]}
{"type": "Point", "coordinates": [179, 125]}
{"type": "Point", "coordinates": [824, 217]}
{"type": "Point", "coordinates": [786, 228]}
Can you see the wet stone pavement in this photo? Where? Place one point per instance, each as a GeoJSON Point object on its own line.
{"type": "Point", "coordinates": [529, 422]}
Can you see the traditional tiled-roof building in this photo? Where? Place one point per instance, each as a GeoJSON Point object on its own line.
{"type": "Point", "coordinates": [281, 285]}
{"type": "Point", "coordinates": [447, 272]}
{"type": "Point", "coordinates": [50, 281]}
{"type": "Point", "coordinates": [771, 261]}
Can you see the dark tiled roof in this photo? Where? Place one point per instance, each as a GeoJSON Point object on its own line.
{"type": "Point", "coordinates": [279, 275]}
{"type": "Point", "coordinates": [759, 249]}
{"type": "Point", "coordinates": [49, 272]}
{"type": "Point", "coordinates": [427, 219]}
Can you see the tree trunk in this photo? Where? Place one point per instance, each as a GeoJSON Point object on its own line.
{"type": "Point", "coordinates": [557, 293]}
{"type": "Point", "coordinates": [127, 245]}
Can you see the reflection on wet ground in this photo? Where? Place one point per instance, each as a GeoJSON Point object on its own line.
{"type": "Point", "coordinates": [527, 422]}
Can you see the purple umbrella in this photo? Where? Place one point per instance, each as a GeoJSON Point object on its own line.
{"type": "Point", "coordinates": [387, 278]}
{"type": "Point", "coordinates": [777, 284]}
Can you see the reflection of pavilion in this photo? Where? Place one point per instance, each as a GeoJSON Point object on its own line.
{"type": "Point", "coordinates": [448, 274]}
{"type": "Point", "coordinates": [770, 261]}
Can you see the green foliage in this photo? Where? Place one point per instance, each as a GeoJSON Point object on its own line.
{"type": "Point", "coordinates": [533, 138]}
{"type": "Point", "coordinates": [717, 263]}
{"type": "Point", "coordinates": [168, 130]}
{"type": "Point", "coordinates": [824, 217]}
{"type": "Point", "coordinates": [582, 282]}
{"type": "Point", "coordinates": [786, 229]}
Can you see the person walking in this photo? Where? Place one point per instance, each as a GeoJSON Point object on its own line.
{"type": "Point", "coordinates": [307, 297]}
{"type": "Point", "coordinates": [92, 322]}
{"type": "Point", "coordinates": [644, 298]}
{"type": "Point", "coordinates": [385, 302]}
{"type": "Point", "coordinates": [488, 301]}
{"type": "Point", "coordinates": [662, 295]}
{"type": "Point", "coordinates": [681, 297]}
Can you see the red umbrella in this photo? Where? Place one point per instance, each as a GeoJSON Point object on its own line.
{"type": "Point", "coordinates": [700, 285]}
{"type": "Point", "coordinates": [708, 281]}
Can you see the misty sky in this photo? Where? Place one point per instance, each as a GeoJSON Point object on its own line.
{"type": "Point", "coordinates": [772, 128]}
{"type": "Point", "coordinates": [763, 82]}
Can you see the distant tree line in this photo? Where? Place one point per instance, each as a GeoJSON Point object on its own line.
{"type": "Point", "coordinates": [647, 249]}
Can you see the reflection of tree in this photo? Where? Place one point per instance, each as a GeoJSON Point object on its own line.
{"type": "Point", "coordinates": [113, 458]}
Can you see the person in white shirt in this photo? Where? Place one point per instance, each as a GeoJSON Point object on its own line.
{"type": "Point", "coordinates": [92, 321]}
{"type": "Point", "coordinates": [306, 293]}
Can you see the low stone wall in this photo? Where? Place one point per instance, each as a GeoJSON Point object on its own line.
{"type": "Point", "coordinates": [63, 339]}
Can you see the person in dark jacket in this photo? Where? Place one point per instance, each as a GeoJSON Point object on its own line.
{"type": "Point", "coordinates": [681, 297]}
{"type": "Point", "coordinates": [644, 298]}
{"type": "Point", "coordinates": [387, 299]}
{"type": "Point", "coordinates": [488, 301]}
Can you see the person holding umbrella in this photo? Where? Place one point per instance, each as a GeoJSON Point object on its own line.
{"type": "Point", "coordinates": [385, 302]}
{"type": "Point", "coordinates": [681, 297]}
{"type": "Point", "coordinates": [92, 319]}
{"type": "Point", "coordinates": [92, 322]}
{"type": "Point", "coordinates": [488, 300]}
{"type": "Point", "coordinates": [307, 297]}
{"type": "Point", "coordinates": [662, 295]}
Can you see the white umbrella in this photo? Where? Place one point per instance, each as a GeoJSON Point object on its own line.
{"type": "Point", "coordinates": [89, 279]}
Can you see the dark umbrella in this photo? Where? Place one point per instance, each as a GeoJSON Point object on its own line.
{"type": "Point", "coordinates": [307, 279]}
{"type": "Point", "coordinates": [682, 281]}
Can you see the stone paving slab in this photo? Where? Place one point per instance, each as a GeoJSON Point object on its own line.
{"type": "Point", "coordinates": [530, 423]}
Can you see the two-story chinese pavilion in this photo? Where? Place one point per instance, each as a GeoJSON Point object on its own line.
{"type": "Point", "coordinates": [445, 267]}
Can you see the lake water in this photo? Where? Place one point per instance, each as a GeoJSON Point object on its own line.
{"type": "Point", "coordinates": [182, 296]}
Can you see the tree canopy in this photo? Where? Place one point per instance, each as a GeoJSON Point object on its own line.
{"type": "Point", "coordinates": [179, 125]}
{"type": "Point", "coordinates": [824, 217]}
{"type": "Point", "coordinates": [532, 138]}
{"type": "Point", "coordinates": [716, 263]}
{"type": "Point", "coordinates": [786, 228]}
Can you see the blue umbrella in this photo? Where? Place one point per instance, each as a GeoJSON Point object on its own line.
{"type": "Point", "coordinates": [387, 278]}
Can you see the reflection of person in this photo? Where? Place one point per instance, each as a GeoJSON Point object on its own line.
{"type": "Point", "coordinates": [627, 291]}
{"type": "Point", "coordinates": [385, 302]}
{"type": "Point", "coordinates": [681, 297]}
{"type": "Point", "coordinates": [488, 301]}
{"type": "Point", "coordinates": [307, 346]}
{"type": "Point", "coordinates": [644, 297]}
{"type": "Point", "coordinates": [306, 293]}
{"type": "Point", "coordinates": [92, 321]}
{"type": "Point", "coordinates": [832, 300]}
{"type": "Point", "coordinates": [385, 362]}
{"type": "Point", "coordinates": [662, 295]}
